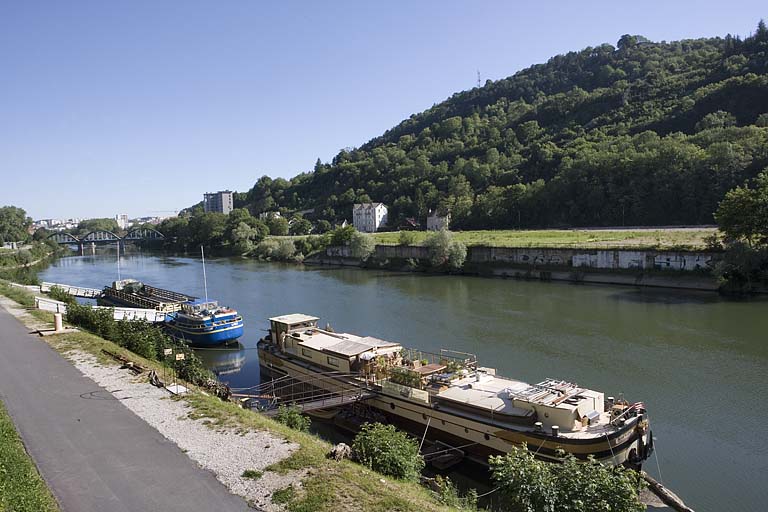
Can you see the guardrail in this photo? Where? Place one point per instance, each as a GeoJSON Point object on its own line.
{"type": "Point", "coordinates": [77, 291]}
{"type": "Point", "coordinates": [149, 315]}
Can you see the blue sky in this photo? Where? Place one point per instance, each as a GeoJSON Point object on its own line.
{"type": "Point", "coordinates": [140, 107]}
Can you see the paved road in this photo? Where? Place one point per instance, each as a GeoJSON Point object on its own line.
{"type": "Point", "coordinates": [95, 455]}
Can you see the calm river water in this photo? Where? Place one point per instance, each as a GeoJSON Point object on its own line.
{"type": "Point", "coordinates": [700, 363]}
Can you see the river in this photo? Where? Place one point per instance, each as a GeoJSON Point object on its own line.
{"type": "Point", "coordinates": [699, 362]}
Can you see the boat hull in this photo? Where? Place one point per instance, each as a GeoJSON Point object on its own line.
{"type": "Point", "coordinates": [210, 338]}
{"type": "Point", "coordinates": [628, 445]}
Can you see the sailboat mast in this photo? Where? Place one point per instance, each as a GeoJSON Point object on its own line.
{"type": "Point", "coordinates": [205, 279]}
{"type": "Point", "coordinates": [118, 261]}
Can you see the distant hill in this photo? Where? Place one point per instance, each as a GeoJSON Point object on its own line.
{"type": "Point", "coordinates": [643, 133]}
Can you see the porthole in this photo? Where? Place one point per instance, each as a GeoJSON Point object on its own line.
{"type": "Point", "coordinates": [443, 421]}
{"type": "Point", "coordinates": [424, 416]}
{"type": "Point", "coordinates": [392, 406]}
{"type": "Point", "coordinates": [487, 437]}
{"type": "Point", "coordinates": [466, 430]}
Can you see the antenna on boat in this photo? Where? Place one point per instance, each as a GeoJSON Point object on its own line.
{"type": "Point", "coordinates": [205, 279]}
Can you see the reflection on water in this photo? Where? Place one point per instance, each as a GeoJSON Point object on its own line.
{"type": "Point", "coordinates": [699, 362]}
{"type": "Point", "coordinates": [223, 361]}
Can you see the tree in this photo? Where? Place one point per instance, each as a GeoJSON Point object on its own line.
{"type": "Point", "coordinates": [532, 485]}
{"type": "Point", "coordinates": [743, 213]}
{"type": "Point", "coordinates": [361, 245]}
{"type": "Point", "coordinates": [719, 119]}
{"type": "Point", "coordinates": [300, 226]}
{"type": "Point", "coordinates": [208, 228]}
{"type": "Point", "coordinates": [389, 451]}
{"type": "Point", "coordinates": [322, 226]}
{"type": "Point", "coordinates": [14, 224]}
{"type": "Point", "coordinates": [244, 238]}
{"type": "Point", "coordinates": [444, 252]}
{"type": "Point", "coordinates": [278, 226]}
{"type": "Point", "coordinates": [102, 224]}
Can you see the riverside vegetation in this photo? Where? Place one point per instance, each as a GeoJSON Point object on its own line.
{"type": "Point", "coordinates": [331, 485]}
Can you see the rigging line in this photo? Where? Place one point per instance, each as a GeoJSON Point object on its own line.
{"type": "Point", "coordinates": [539, 448]}
{"type": "Point", "coordinates": [425, 433]}
{"type": "Point", "coordinates": [489, 492]}
{"type": "Point", "coordinates": [451, 449]}
{"type": "Point", "coordinates": [656, 456]}
{"type": "Point", "coordinates": [613, 456]}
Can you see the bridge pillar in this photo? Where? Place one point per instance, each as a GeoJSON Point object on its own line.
{"type": "Point", "coordinates": [93, 248]}
{"type": "Point", "coordinates": [82, 248]}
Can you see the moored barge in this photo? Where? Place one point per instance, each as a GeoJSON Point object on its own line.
{"type": "Point", "coordinates": [453, 399]}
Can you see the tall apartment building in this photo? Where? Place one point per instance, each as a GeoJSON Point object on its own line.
{"type": "Point", "coordinates": [369, 217]}
{"type": "Point", "coordinates": [221, 202]}
{"type": "Point", "coordinates": [122, 220]}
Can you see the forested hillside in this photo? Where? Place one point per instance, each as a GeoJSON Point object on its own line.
{"type": "Point", "coordinates": [643, 133]}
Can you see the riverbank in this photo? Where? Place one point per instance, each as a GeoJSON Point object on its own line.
{"type": "Point", "coordinates": [686, 270]}
{"type": "Point", "coordinates": [267, 463]}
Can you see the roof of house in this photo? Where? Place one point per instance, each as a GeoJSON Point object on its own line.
{"type": "Point", "coordinates": [366, 205]}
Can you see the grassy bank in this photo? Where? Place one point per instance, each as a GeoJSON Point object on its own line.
{"type": "Point", "coordinates": [327, 485]}
{"type": "Point", "coordinates": [22, 489]}
{"type": "Point", "coordinates": [683, 238]}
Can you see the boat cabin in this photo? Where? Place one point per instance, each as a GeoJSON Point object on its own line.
{"type": "Point", "coordinates": [200, 307]}
{"type": "Point", "coordinates": [298, 335]}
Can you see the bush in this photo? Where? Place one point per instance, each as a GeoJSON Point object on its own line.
{"type": "Point", "coordinates": [385, 449]}
{"type": "Point", "coordinates": [291, 416]}
{"type": "Point", "coordinates": [444, 252]}
{"type": "Point", "coordinates": [342, 236]}
{"type": "Point", "coordinates": [285, 251]}
{"type": "Point", "coordinates": [448, 495]}
{"type": "Point", "coordinates": [406, 238]}
{"type": "Point", "coordinates": [266, 249]}
{"type": "Point", "coordinates": [57, 293]}
{"type": "Point", "coordinates": [361, 245]}
{"type": "Point", "coordinates": [533, 485]}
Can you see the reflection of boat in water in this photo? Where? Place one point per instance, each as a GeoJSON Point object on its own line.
{"type": "Point", "coordinates": [223, 361]}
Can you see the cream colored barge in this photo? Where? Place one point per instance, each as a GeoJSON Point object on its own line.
{"type": "Point", "coordinates": [453, 399]}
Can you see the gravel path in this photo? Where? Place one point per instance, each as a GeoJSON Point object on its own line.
{"type": "Point", "coordinates": [223, 451]}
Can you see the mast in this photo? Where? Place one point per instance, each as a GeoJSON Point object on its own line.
{"type": "Point", "coordinates": [118, 260]}
{"type": "Point", "coordinates": [205, 279]}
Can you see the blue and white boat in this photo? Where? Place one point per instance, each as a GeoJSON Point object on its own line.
{"type": "Point", "coordinates": [204, 324]}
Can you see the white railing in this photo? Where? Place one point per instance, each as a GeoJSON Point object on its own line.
{"type": "Point", "coordinates": [149, 315]}
{"type": "Point", "coordinates": [77, 291]}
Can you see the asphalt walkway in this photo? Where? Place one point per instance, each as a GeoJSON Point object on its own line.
{"type": "Point", "coordinates": [95, 455]}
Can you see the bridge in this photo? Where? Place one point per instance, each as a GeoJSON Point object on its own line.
{"type": "Point", "coordinates": [101, 237]}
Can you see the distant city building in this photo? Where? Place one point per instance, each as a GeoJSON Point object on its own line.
{"type": "Point", "coordinates": [122, 220]}
{"type": "Point", "coordinates": [436, 222]}
{"type": "Point", "coordinates": [369, 217]}
{"type": "Point", "coordinates": [221, 202]}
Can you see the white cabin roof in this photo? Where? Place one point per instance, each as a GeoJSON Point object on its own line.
{"type": "Point", "coordinates": [294, 318]}
{"type": "Point", "coordinates": [341, 343]}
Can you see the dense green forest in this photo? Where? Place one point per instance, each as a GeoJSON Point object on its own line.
{"type": "Point", "coordinates": [642, 133]}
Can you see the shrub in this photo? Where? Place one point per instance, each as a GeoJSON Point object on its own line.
{"type": "Point", "coordinates": [406, 238]}
{"type": "Point", "coordinates": [342, 236]}
{"type": "Point", "coordinates": [444, 251]}
{"type": "Point", "coordinates": [385, 449]}
{"type": "Point", "coordinates": [291, 416]}
{"type": "Point", "coordinates": [448, 495]}
{"type": "Point", "coordinates": [572, 486]}
{"type": "Point", "coordinates": [59, 294]}
{"type": "Point", "coordinates": [266, 249]}
{"type": "Point", "coordinates": [285, 250]}
{"type": "Point", "coordinates": [361, 245]}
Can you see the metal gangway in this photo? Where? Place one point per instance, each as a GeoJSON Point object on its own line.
{"type": "Point", "coordinates": [76, 291]}
{"type": "Point", "coordinates": [320, 391]}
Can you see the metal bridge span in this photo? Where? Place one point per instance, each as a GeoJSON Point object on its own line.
{"type": "Point", "coordinates": [102, 237]}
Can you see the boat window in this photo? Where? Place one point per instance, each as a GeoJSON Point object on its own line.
{"type": "Point", "coordinates": [333, 361]}
{"type": "Point", "coordinates": [306, 353]}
